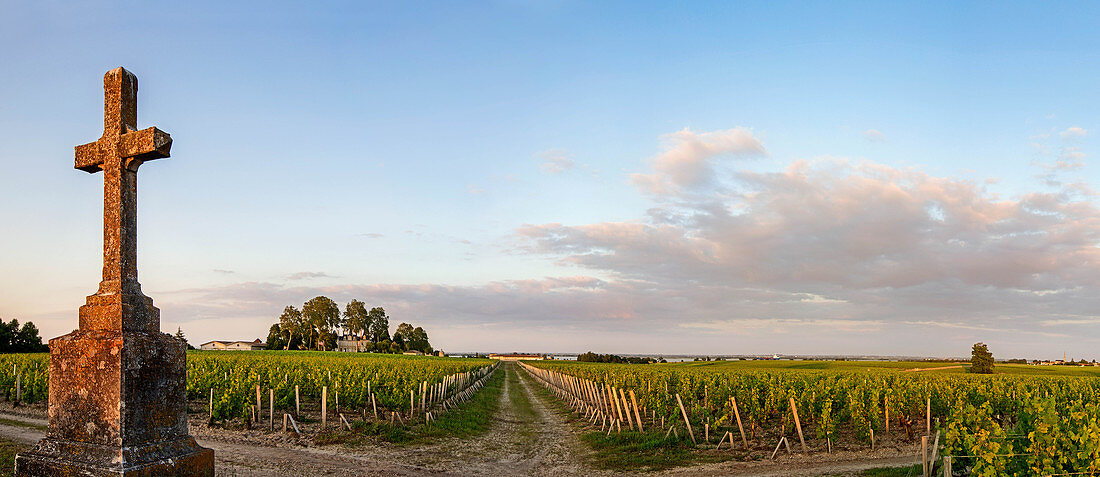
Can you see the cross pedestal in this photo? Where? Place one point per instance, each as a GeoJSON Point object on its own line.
{"type": "Point", "coordinates": [118, 386]}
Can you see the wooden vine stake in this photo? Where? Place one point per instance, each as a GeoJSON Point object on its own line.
{"type": "Point", "coordinates": [778, 445]}
{"type": "Point", "coordinates": [798, 425]}
{"type": "Point", "coordinates": [271, 409]}
{"type": "Point", "coordinates": [737, 413]}
{"type": "Point", "coordinates": [324, 407]}
{"type": "Point", "coordinates": [687, 422]}
{"type": "Point", "coordinates": [626, 407]}
{"type": "Point", "coordinates": [928, 418]}
{"type": "Point", "coordinates": [297, 402]}
{"type": "Point", "coordinates": [636, 414]}
{"type": "Point", "coordinates": [935, 453]}
{"type": "Point", "coordinates": [924, 455]}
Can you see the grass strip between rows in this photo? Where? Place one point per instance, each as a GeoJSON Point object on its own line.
{"type": "Point", "coordinates": [626, 451]}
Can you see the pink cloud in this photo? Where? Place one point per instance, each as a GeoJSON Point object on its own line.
{"type": "Point", "coordinates": [687, 161]}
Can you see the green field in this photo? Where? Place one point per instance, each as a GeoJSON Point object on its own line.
{"type": "Point", "coordinates": [896, 366]}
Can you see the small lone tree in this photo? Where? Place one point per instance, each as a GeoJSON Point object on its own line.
{"type": "Point", "coordinates": [180, 336]}
{"type": "Point", "coordinates": [981, 360]}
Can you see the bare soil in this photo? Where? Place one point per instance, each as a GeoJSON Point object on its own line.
{"type": "Point", "coordinates": [529, 436]}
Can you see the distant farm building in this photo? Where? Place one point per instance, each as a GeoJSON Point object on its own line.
{"type": "Point", "coordinates": [515, 357]}
{"type": "Point", "coordinates": [353, 344]}
{"type": "Point", "coordinates": [234, 345]}
{"type": "Point", "coordinates": [413, 353]}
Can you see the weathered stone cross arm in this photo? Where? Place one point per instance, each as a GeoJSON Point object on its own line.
{"type": "Point", "coordinates": [138, 146]}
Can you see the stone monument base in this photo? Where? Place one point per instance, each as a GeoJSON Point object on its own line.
{"type": "Point", "coordinates": [56, 457]}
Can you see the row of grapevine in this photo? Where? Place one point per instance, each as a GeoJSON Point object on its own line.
{"type": "Point", "coordinates": [396, 381]}
{"type": "Point", "coordinates": [233, 377]}
{"type": "Point", "coordinates": [992, 424]}
{"type": "Point", "coordinates": [30, 371]}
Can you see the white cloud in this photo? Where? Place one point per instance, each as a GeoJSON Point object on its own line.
{"type": "Point", "coordinates": [308, 275]}
{"type": "Point", "coordinates": [1073, 132]}
{"type": "Point", "coordinates": [555, 161]}
{"type": "Point", "coordinates": [874, 135]}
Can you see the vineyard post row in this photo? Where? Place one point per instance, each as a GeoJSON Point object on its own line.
{"type": "Point", "coordinates": [600, 401]}
{"type": "Point", "coordinates": [448, 392]}
{"type": "Point", "coordinates": [609, 405]}
{"type": "Point", "coordinates": [374, 383]}
{"type": "Point", "coordinates": [996, 424]}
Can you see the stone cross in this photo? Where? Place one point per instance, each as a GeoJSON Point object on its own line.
{"type": "Point", "coordinates": [118, 154]}
{"type": "Point", "coordinates": [118, 386]}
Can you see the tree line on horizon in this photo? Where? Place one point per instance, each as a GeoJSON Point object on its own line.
{"type": "Point", "coordinates": [319, 324]}
{"type": "Point", "coordinates": [20, 339]}
{"type": "Point", "coordinates": [591, 357]}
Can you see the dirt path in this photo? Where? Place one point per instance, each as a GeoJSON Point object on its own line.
{"type": "Point", "coordinates": [526, 438]}
{"type": "Point", "coordinates": [917, 370]}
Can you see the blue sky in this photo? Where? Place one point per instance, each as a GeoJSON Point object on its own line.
{"type": "Point", "coordinates": [481, 169]}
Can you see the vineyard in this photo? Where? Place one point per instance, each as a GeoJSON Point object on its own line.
{"type": "Point", "coordinates": [398, 383]}
{"type": "Point", "coordinates": [25, 376]}
{"type": "Point", "coordinates": [229, 379]}
{"type": "Point", "coordinates": [990, 425]}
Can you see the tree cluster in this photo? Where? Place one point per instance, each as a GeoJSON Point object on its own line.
{"type": "Point", "coordinates": [320, 323]}
{"type": "Point", "coordinates": [591, 357]}
{"type": "Point", "coordinates": [20, 339]}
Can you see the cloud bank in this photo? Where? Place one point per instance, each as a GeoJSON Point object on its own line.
{"type": "Point", "coordinates": [826, 256]}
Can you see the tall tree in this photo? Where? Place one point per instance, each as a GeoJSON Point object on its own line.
{"type": "Point", "coordinates": [292, 325]}
{"type": "Point", "coordinates": [356, 318]}
{"type": "Point", "coordinates": [418, 340]}
{"type": "Point", "coordinates": [379, 325]}
{"type": "Point", "coordinates": [403, 335]}
{"type": "Point", "coordinates": [321, 315]}
{"type": "Point", "coordinates": [275, 337]}
{"type": "Point", "coordinates": [981, 360]}
{"type": "Point", "coordinates": [7, 335]}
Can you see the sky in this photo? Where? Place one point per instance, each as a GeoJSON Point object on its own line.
{"type": "Point", "coordinates": [878, 178]}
